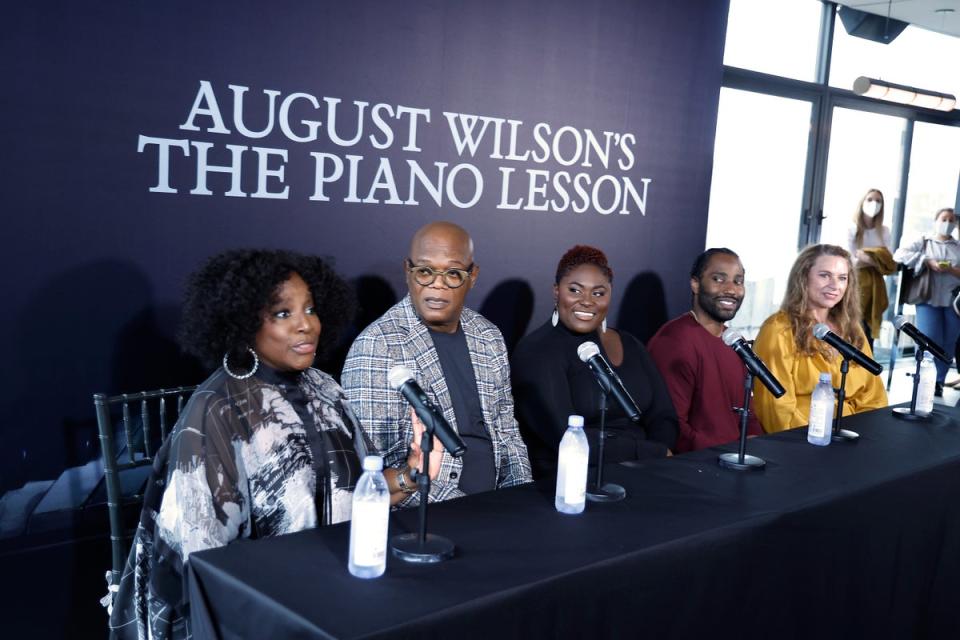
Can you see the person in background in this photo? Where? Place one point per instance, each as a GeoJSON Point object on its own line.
{"type": "Point", "coordinates": [705, 377]}
{"type": "Point", "coordinates": [265, 446]}
{"type": "Point", "coordinates": [821, 288]}
{"type": "Point", "coordinates": [551, 382]}
{"type": "Point", "coordinates": [939, 254]}
{"type": "Point", "coordinates": [870, 247]}
{"type": "Point", "coordinates": [459, 359]}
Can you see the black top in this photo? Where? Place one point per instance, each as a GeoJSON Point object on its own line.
{"type": "Point", "coordinates": [479, 473]}
{"type": "Point", "coordinates": [550, 382]}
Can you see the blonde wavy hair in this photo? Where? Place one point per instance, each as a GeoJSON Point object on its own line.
{"type": "Point", "coordinates": [845, 315]}
{"type": "Point", "coordinates": [876, 223]}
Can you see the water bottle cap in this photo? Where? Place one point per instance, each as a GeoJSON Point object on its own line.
{"type": "Point", "coordinates": [373, 463]}
{"type": "Point", "coordinates": [825, 377]}
{"type": "Point", "coordinates": [575, 421]}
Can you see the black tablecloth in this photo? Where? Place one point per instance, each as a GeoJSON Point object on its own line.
{"type": "Point", "coordinates": [852, 540]}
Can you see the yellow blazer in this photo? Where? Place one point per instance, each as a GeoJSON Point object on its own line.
{"type": "Point", "coordinates": [873, 290]}
{"type": "Point", "coordinates": [799, 374]}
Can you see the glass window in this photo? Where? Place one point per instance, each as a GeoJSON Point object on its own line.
{"type": "Point", "coordinates": [865, 152]}
{"type": "Point", "coordinates": [756, 196]}
{"type": "Point", "coordinates": [934, 172]}
{"type": "Point", "coordinates": [774, 36]}
{"type": "Point", "coordinates": [917, 58]}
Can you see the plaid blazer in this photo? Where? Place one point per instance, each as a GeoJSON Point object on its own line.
{"type": "Point", "coordinates": [398, 337]}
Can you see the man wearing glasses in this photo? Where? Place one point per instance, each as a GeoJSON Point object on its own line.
{"type": "Point", "coordinates": [459, 359]}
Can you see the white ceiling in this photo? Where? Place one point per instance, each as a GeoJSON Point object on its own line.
{"type": "Point", "coordinates": [922, 13]}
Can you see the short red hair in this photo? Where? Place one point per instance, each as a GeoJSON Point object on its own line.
{"type": "Point", "coordinates": [582, 254]}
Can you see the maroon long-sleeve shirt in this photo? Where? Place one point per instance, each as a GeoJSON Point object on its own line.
{"type": "Point", "coordinates": [705, 380]}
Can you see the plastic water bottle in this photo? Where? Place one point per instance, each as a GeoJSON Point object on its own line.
{"type": "Point", "coordinates": [572, 468]}
{"type": "Point", "coordinates": [368, 527]}
{"type": "Point", "coordinates": [820, 428]}
{"type": "Point", "coordinates": [927, 386]}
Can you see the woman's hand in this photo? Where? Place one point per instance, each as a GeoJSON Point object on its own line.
{"type": "Point", "coordinates": [415, 457]}
{"type": "Point", "coordinates": [864, 258]}
{"type": "Point", "coordinates": [933, 265]}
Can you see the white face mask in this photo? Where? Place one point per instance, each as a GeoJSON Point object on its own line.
{"type": "Point", "coordinates": [870, 208]}
{"type": "Point", "coordinates": [946, 228]}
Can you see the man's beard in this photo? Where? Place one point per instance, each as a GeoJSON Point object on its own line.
{"type": "Point", "coordinates": [710, 307]}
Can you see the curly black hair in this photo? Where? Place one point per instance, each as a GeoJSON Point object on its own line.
{"type": "Point", "coordinates": [225, 301]}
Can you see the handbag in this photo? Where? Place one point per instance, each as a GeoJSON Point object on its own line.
{"type": "Point", "coordinates": [917, 286]}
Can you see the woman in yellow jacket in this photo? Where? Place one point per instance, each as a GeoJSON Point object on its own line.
{"type": "Point", "coordinates": [822, 288]}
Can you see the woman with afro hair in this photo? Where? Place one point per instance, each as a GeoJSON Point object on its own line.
{"type": "Point", "coordinates": [550, 382]}
{"type": "Point", "coordinates": [266, 445]}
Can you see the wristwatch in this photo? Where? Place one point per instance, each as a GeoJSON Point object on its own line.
{"type": "Point", "coordinates": [406, 470]}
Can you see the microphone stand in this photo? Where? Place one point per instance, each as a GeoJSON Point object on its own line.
{"type": "Point", "coordinates": [600, 492]}
{"type": "Point", "coordinates": [842, 435]}
{"type": "Point", "coordinates": [740, 461]}
{"type": "Point", "coordinates": [422, 547]}
{"type": "Point", "coordinates": [911, 414]}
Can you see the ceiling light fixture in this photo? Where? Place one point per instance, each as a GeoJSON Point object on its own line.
{"type": "Point", "coordinates": [882, 90]}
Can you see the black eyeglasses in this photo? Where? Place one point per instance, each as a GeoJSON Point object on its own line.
{"type": "Point", "coordinates": [426, 276]}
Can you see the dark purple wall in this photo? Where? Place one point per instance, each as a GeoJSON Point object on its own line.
{"type": "Point", "coordinates": [95, 261]}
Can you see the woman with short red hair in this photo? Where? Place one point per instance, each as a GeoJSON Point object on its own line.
{"type": "Point", "coordinates": [550, 382]}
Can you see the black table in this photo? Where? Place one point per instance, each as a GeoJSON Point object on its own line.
{"type": "Point", "coordinates": [853, 540]}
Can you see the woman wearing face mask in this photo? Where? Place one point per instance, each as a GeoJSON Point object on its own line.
{"type": "Point", "coordinates": [550, 382]}
{"type": "Point", "coordinates": [939, 253]}
{"type": "Point", "coordinates": [869, 244]}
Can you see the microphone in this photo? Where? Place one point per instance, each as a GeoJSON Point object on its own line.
{"type": "Point", "coordinates": [735, 340]}
{"type": "Point", "coordinates": [822, 332]}
{"type": "Point", "coordinates": [920, 338]}
{"type": "Point", "coordinates": [609, 381]}
{"type": "Point", "coordinates": [401, 379]}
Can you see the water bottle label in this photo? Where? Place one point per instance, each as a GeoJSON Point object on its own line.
{"type": "Point", "coordinates": [818, 420]}
{"type": "Point", "coordinates": [925, 397]}
{"type": "Point", "coordinates": [369, 533]}
{"type": "Point", "coordinates": [575, 482]}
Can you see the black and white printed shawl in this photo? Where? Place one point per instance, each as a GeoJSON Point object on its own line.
{"type": "Point", "coordinates": [242, 462]}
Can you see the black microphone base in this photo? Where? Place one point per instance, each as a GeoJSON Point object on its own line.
{"type": "Point", "coordinates": [407, 547]}
{"type": "Point", "coordinates": [609, 492]}
{"type": "Point", "coordinates": [732, 461]}
{"type": "Point", "coordinates": [903, 413]}
{"type": "Point", "coordinates": [845, 435]}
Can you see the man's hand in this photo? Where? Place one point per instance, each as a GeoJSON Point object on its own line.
{"type": "Point", "coordinates": [415, 458]}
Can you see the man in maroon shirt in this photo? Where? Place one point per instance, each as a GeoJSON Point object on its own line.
{"type": "Point", "coordinates": [704, 376]}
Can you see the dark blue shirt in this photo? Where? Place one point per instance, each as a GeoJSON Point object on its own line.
{"type": "Point", "coordinates": [479, 472]}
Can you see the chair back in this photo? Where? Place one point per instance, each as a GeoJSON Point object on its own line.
{"type": "Point", "coordinates": [146, 418]}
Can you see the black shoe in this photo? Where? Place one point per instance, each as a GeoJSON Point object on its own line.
{"type": "Point", "coordinates": [938, 390]}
